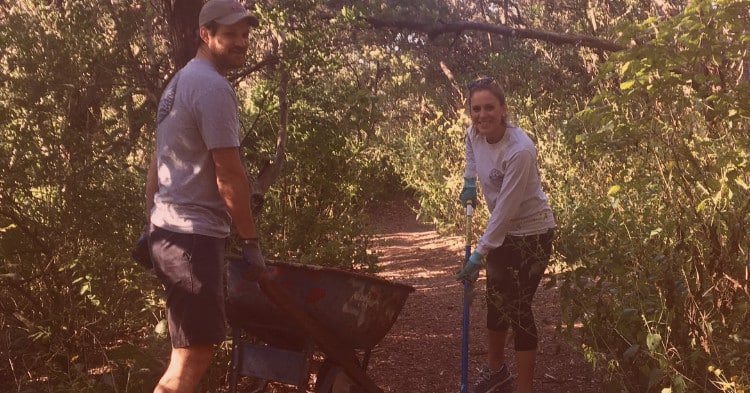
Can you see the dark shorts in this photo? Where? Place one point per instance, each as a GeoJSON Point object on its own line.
{"type": "Point", "coordinates": [514, 271]}
{"type": "Point", "coordinates": [191, 267]}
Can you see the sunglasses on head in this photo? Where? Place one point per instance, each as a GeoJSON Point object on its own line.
{"type": "Point", "coordinates": [481, 82]}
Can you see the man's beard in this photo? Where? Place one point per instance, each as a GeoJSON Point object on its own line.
{"type": "Point", "coordinates": [230, 59]}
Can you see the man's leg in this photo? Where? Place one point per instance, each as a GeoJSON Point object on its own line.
{"type": "Point", "coordinates": [185, 370]}
{"type": "Point", "coordinates": [191, 268]}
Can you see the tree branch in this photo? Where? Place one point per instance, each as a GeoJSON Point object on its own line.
{"type": "Point", "coordinates": [272, 170]}
{"type": "Point", "coordinates": [439, 28]}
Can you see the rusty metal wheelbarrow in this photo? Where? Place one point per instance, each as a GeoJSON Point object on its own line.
{"type": "Point", "coordinates": [295, 309]}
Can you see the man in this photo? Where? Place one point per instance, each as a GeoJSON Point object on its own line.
{"type": "Point", "coordinates": [196, 189]}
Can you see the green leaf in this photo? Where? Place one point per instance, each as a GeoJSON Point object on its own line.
{"type": "Point", "coordinates": [624, 67]}
{"type": "Point", "coordinates": [627, 85]}
{"type": "Point", "coordinates": [161, 328]}
{"type": "Point", "coordinates": [630, 353]}
{"type": "Point", "coordinates": [653, 340]}
{"type": "Point", "coordinates": [655, 377]}
{"type": "Point", "coordinates": [678, 384]}
{"type": "Point", "coordinates": [701, 206]}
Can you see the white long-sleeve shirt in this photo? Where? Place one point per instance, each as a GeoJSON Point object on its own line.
{"type": "Point", "coordinates": [509, 177]}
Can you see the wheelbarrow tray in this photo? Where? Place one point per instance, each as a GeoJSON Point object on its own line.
{"type": "Point", "coordinates": [358, 309]}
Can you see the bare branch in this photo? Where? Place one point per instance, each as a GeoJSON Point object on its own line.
{"type": "Point", "coordinates": [435, 29]}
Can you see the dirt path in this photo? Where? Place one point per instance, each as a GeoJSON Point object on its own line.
{"type": "Point", "coordinates": [422, 352]}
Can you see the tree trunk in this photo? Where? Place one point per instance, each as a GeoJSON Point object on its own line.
{"type": "Point", "coordinates": [183, 25]}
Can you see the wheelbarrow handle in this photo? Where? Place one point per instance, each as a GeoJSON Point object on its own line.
{"type": "Point", "coordinates": [340, 354]}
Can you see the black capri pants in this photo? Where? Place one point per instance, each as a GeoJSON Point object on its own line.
{"type": "Point", "coordinates": [514, 271]}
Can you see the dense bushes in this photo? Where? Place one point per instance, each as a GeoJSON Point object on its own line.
{"type": "Point", "coordinates": [661, 259]}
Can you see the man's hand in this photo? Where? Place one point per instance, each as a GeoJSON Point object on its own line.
{"type": "Point", "coordinates": [470, 272]}
{"type": "Point", "coordinates": [469, 192]}
{"type": "Point", "coordinates": [255, 265]}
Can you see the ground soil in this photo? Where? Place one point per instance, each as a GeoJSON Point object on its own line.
{"type": "Point", "coordinates": [422, 351]}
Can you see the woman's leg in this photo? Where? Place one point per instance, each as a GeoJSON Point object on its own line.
{"type": "Point", "coordinates": [525, 361]}
{"type": "Point", "coordinates": [496, 348]}
{"type": "Point", "coordinates": [534, 254]}
{"type": "Point", "coordinates": [495, 374]}
{"type": "Point", "coordinates": [501, 285]}
{"type": "Point", "coordinates": [526, 337]}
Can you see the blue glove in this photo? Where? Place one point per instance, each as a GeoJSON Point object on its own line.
{"type": "Point", "coordinates": [470, 272]}
{"type": "Point", "coordinates": [469, 192]}
{"type": "Point", "coordinates": [255, 266]}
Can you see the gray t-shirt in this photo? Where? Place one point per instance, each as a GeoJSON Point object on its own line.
{"type": "Point", "coordinates": [197, 113]}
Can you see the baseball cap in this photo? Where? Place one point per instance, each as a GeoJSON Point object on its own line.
{"type": "Point", "coordinates": [225, 12]}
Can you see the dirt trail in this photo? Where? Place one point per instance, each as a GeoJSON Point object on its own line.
{"type": "Point", "coordinates": [422, 352]}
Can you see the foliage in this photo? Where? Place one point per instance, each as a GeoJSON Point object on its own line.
{"type": "Point", "coordinates": [430, 163]}
{"type": "Point", "coordinates": [315, 213]}
{"type": "Point", "coordinates": [649, 182]}
{"type": "Point", "coordinates": [68, 187]}
{"type": "Point", "coordinates": [659, 273]}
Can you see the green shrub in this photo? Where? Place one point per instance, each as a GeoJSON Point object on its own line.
{"type": "Point", "coordinates": [659, 268]}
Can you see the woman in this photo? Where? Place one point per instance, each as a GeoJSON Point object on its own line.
{"type": "Point", "coordinates": [517, 242]}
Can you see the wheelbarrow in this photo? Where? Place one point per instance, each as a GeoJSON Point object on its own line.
{"type": "Point", "coordinates": [294, 310]}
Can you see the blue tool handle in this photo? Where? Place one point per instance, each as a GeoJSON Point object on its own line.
{"type": "Point", "coordinates": [467, 304]}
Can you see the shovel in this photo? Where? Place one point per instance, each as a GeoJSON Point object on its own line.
{"type": "Point", "coordinates": [468, 297]}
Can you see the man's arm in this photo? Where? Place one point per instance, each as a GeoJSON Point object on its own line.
{"type": "Point", "coordinates": [234, 189]}
{"type": "Point", "coordinates": [152, 185]}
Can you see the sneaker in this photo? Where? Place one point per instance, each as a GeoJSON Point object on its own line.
{"type": "Point", "coordinates": [489, 381]}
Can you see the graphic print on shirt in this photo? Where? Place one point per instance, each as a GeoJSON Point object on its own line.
{"type": "Point", "coordinates": [497, 178]}
{"type": "Point", "coordinates": [167, 100]}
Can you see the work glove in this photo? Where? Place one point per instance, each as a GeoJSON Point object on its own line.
{"type": "Point", "coordinates": [469, 192]}
{"type": "Point", "coordinates": [254, 266]}
{"type": "Point", "coordinates": [470, 272]}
